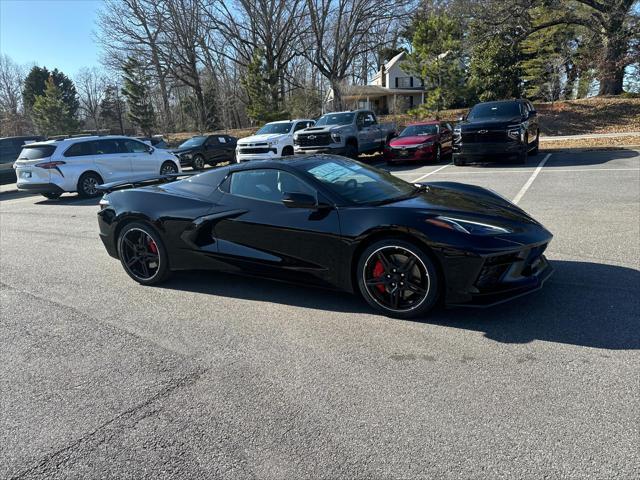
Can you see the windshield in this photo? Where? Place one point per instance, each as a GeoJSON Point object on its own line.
{"type": "Point", "coordinates": [358, 183]}
{"type": "Point", "coordinates": [495, 111]}
{"type": "Point", "coordinates": [193, 142]}
{"type": "Point", "coordinates": [275, 128]}
{"type": "Point", "coordinates": [419, 130]}
{"type": "Point", "coordinates": [335, 119]}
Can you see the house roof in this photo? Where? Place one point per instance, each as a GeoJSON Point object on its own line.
{"type": "Point", "coordinates": [390, 64]}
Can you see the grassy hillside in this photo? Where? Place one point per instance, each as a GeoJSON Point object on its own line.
{"type": "Point", "coordinates": [575, 117]}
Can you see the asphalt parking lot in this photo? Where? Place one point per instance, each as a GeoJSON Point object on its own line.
{"type": "Point", "coordinates": [215, 376]}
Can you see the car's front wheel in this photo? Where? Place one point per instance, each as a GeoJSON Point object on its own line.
{"type": "Point", "coordinates": [398, 278]}
{"type": "Point", "coordinates": [168, 168]}
{"type": "Point", "coordinates": [198, 162]}
{"type": "Point", "coordinates": [142, 254]}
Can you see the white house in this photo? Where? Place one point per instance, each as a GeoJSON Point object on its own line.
{"type": "Point", "coordinates": [391, 90]}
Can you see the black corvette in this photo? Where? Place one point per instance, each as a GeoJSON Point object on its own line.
{"type": "Point", "coordinates": [332, 222]}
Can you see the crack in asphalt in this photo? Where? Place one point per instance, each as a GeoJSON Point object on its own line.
{"type": "Point", "coordinates": [42, 465]}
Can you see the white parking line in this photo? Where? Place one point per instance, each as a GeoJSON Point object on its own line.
{"type": "Point", "coordinates": [430, 173]}
{"type": "Point", "coordinates": [521, 171]}
{"type": "Point", "coordinates": [533, 176]}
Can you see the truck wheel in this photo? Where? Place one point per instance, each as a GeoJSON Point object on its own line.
{"type": "Point", "coordinates": [351, 151]}
{"type": "Point", "coordinates": [536, 148]}
{"type": "Point", "coordinates": [287, 151]}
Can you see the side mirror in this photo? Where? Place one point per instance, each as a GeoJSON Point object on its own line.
{"type": "Point", "coordinates": [150, 150]}
{"type": "Point", "coordinates": [299, 200]}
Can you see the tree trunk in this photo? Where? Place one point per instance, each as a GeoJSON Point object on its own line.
{"type": "Point", "coordinates": [336, 86]}
{"type": "Point", "coordinates": [612, 64]}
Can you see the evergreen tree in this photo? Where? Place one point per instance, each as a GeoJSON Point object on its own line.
{"type": "Point", "coordinates": [261, 107]}
{"type": "Point", "coordinates": [35, 85]}
{"type": "Point", "coordinates": [51, 113]}
{"type": "Point", "coordinates": [112, 109]}
{"type": "Point", "coordinates": [494, 71]}
{"type": "Point", "coordinates": [136, 91]}
{"type": "Point", "coordinates": [436, 57]}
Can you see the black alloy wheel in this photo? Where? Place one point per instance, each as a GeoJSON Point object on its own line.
{"type": "Point", "coordinates": [168, 168]}
{"type": "Point", "coordinates": [142, 254]}
{"type": "Point", "coordinates": [198, 162]}
{"type": "Point", "coordinates": [88, 185]}
{"type": "Point", "coordinates": [397, 278]}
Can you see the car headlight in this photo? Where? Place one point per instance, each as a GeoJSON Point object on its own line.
{"type": "Point", "coordinates": [186, 156]}
{"type": "Point", "coordinates": [467, 226]}
{"type": "Point", "coordinates": [335, 136]}
{"type": "Point", "coordinates": [515, 133]}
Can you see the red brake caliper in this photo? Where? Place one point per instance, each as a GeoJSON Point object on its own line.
{"type": "Point", "coordinates": [153, 247]}
{"type": "Point", "coordinates": [378, 271]}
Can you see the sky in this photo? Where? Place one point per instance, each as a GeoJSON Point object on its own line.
{"type": "Point", "coordinates": [52, 33]}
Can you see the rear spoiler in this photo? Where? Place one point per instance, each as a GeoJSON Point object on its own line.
{"type": "Point", "coordinates": [142, 182]}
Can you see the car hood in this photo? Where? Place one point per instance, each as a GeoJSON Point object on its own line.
{"type": "Point", "coordinates": [263, 138]}
{"type": "Point", "coordinates": [469, 201]}
{"type": "Point", "coordinates": [178, 151]}
{"type": "Point", "coordinates": [411, 140]}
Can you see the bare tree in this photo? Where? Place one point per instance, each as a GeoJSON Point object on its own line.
{"type": "Point", "coordinates": [12, 120]}
{"type": "Point", "coordinates": [134, 28]}
{"type": "Point", "coordinates": [91, 85]}
{"type": "Point", "coordinates": [343, 30]}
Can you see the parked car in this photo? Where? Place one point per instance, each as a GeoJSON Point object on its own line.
{"type": "Point", "coordinates": [420, 142]}
{"type": "Point", "coordinates": [10, 148]}
{"type": "Point", "coordinates": [206, 149]}
{"type": "Point", "coordinates": [81, 164]}
{"type": "Point", "coordinates": [330, 221]}
{"type": "Point", "coordinates": [274, 140]}
{"type": "Point", "coordinates": [344, 133]}
{"type": "Point", "coordinates": [497, 131]}
{"type": "Point", "coordinates": [156, 141]}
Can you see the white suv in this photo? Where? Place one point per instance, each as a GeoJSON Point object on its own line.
{"type": "Point", "coordinates": [80, 164]}
{"type": "Point", "coordinates": [274, 140]}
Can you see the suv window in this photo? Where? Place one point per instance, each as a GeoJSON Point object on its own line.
{"type": "Point", "coordinates": [106, 147]}
{"type": "Point", "coordinates": [36, 152]}
{"type": "Point", "coordinates": [131, 146]}
{"type": "Point", "coordinates": [369, 119]}
{"type": "Point", "coordinates": [301, 126]}
{"type": "Point", "coordinates": [80, 149]}
{"type": "Point", "coordinates": [267, 185]}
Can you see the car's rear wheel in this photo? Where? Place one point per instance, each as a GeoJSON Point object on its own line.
{"type": "Point", "coordinates": [168, 168]}
{"type": "Point", "coordinates": [198, 162]}
{"type": "Point", "coordinates": [52, 195]}
{"type": "Point", "coordinates": [398, 278]}
{"type": "Point", "coordinates": [88, 185]}
{"type": "Point", "coordinates": [142, 254]}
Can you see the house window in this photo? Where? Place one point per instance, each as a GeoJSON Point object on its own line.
{"type": "Point", "coordinates": [404, 82]}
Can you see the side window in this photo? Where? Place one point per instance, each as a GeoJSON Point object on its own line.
{"type": "Point", "coordinates": [370, 119]}
{"type": "Point", "coordinates": [267, 185]}
{"type": "Point", "coordinates": [106, 147]}
{"type": "Point", "coordinates": [360, 120]}
{"type": "Point", "coordinates": [222, 140]}
{"type": "Point", "coordinates": [80, 149]}
{"type": "Point", "coordinates": [131, 146]}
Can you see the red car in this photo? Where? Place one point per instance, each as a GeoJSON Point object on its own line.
{"type": "Point", "coordinates": [420, 142]}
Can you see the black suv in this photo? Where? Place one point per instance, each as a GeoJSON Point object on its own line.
{"type": "Point", "coordinates": [506, 129]}
{"type": "Point", "coordinates": [211, 149]}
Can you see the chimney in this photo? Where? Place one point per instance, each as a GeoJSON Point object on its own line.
{"type": "Point", "coordinates": [383, 75]}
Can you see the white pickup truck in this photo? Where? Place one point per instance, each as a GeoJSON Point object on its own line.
{"type": "Point", "coordinates": [274, 140]}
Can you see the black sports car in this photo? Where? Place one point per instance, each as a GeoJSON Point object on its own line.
{"type": "Point", "coordinates": [329, 221]}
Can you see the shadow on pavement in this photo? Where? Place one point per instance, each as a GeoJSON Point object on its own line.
{"type": "Point", "coordinates": [586, 304]}
{"type": "Point", "coordinates": [564, 158]}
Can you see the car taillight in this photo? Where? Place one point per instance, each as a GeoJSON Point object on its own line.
{"type": "Point", "coordinates": [49, 165]}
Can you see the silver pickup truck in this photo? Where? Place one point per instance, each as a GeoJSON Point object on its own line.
{"type": "Point", "coordinates": [344, 133]}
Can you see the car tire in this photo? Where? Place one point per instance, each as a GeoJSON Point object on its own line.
{"type": "Point", "coordinates": [142, 254]}
{"type": "Point", "coordinates": [536, 147]}
{"type": "Point", "coordinates": [52, 195]}
{"type": "Point", "coordinates": [524, 152]}
{"type": "Point", "coordinates": [87, 184]}
{"type": "Point", "coordinates": [168, 168]}
{"type": "Point", "coordinates": [438, 155]}
{"type": "Point", "coordinates": [458, 162]}
{"type": "Point", "coordinates": [287, 151]}
{"type": "Point", "coordinates": [351, 151]}
{"type": "Point", "coordinates": [197, 163]}
{"type": "Point", "coordinates": [386, 265]}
